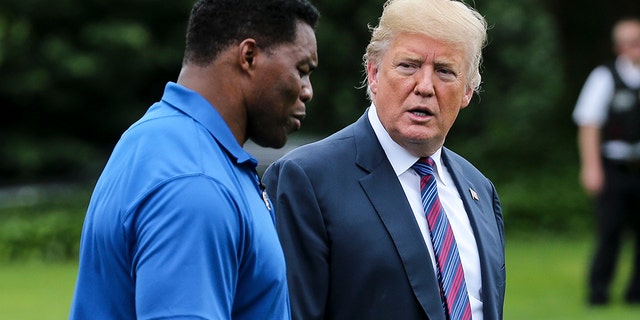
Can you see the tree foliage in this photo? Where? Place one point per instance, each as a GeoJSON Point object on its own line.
{"type": "Point", "coordinates": [74, 74]}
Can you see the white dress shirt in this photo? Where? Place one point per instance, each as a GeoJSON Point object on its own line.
{"type": "Point", "coordinates": [597, 91]}
{"type": "Point", "coordinates": [592, 107]}
{"type": "Point", "coordinates": [401, 161]}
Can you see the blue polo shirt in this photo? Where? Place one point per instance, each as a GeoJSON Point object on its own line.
{"type": "Point", "coordinates": [177, 227]}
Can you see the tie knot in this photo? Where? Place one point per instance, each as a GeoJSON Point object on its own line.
{"type": "Point", "coordinates": [424, 166]}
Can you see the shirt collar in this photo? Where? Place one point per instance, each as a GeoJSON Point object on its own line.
{"type": "Point", "coordinates": [401, 160]}
{"type": "Point", "coordinates": [198, 108]}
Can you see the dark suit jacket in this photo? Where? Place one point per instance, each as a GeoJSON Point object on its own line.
{"type": "Point", "coordinates": [351, 242]}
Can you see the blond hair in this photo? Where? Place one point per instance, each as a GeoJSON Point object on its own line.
{"type": "Point", "coordinates": [446, 20]}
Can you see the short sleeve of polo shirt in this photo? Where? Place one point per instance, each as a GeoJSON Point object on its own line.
{"type": "Point", "coordinates": [190, 235]}
{"type": "Point", "coordinates": [593, 101]}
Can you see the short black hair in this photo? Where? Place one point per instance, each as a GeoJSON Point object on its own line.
{"type": "Point", "coordinates": [216, 24]}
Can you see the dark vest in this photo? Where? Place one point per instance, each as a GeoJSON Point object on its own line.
{"type": "Point", "coordinates": [623, 122]}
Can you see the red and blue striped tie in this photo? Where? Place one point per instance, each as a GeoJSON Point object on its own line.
{"type": "Point", "coordinates": [453, 288]}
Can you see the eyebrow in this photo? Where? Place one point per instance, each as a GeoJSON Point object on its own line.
{"type": "Point", "coordinates": [446, 64]}
{"type": "Point", "coordinates": [452, 64]}
{"type": "Point", "coordinates": [413, 60]}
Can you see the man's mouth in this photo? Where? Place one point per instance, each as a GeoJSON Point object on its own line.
{"type": "Point", "coordinates": [421, 112]}
{"type": "Point", "coordinates": [298, 118]}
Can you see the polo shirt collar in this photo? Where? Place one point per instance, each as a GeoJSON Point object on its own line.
{"type": "Point", "coordinates": [194, 105]}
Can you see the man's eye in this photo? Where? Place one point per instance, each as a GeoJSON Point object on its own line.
{"type": "Point", "coordinates": [407, 67]}
{"type": "Point", "coordinates": [447, 73]}
{"type": "Point", "coordinates": [304, 71]}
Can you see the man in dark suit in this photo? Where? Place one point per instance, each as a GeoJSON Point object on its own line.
{"type": "Point", "coordinates": [354, 211]}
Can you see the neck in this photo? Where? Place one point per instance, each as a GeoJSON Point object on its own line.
{"type": "Point", "coordinates": [214, 84]}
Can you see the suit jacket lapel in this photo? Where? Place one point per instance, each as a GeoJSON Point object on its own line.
{"type": "Point", "coordinates": [472, 204]}
{"type": "Point", "coordinates": [482, 219]}
{"type": "Point", "coordinates": [387, 196]}
{"type": "Point", "coordinates": [467, 192]}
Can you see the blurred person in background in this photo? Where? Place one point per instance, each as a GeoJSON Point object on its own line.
{"type": "Point", "coordinates": [179, 226]}
{"type": "Point", "coordinates": [351, 209]}
{"type": "Point", "coordinates": [608, 117]}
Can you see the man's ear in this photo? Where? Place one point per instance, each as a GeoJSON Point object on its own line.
{"type": "Point", "coordinates": [466, 98]}
{"type": "Point", "coordinates": [247, 51]}
{"type": "Point", "coordinates": [372, 76]}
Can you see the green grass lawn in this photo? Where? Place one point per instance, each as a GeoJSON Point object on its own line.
{"type": "Point", "coordinates": [545, 281]}
{"type": "Point", "coordinates": [36, 291]}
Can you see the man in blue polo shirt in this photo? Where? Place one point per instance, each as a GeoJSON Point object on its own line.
{"type": "Point", "coordinates": [179, 226]}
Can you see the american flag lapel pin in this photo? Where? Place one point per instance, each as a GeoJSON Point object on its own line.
{"type": "Point", "coordinates": [265, 198]}
{"type": "Point", "coordinates": [474, 195]}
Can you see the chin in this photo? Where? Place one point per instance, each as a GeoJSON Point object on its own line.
{"type": "Point", "coordinates": [275, 143]}
{"type": "Point", "coordinates": [279, 144]}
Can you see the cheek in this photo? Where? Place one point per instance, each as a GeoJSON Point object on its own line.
{"type": "Point", "coordinates": [287, 91]}
{"type": "Point", "coordinates": [391, 116]}
{"type": "Point", "coordinates": [395, 95]}
{"type": "Point", "coordinates": [449, 118]}
{"type": "Point", "coordinates": [292, 95]}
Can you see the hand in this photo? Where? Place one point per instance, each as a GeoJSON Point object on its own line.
{"type": "Point", "coordinates": [592, 179]}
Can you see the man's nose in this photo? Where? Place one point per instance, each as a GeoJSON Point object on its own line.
{"type": "Point", "coordinates": [306, 94]}
{"type": "Point", "coordinates": [424, 83]}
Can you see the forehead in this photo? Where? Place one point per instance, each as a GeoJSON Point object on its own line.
{"type": "Point", "coordinates": [423, 48]}
{"type": "Point", "coordinates": [628, 31]}
{"type": "Point", "coordinates": [306, 38]}
{"type": "Point", "coordinates": [304, 46]}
